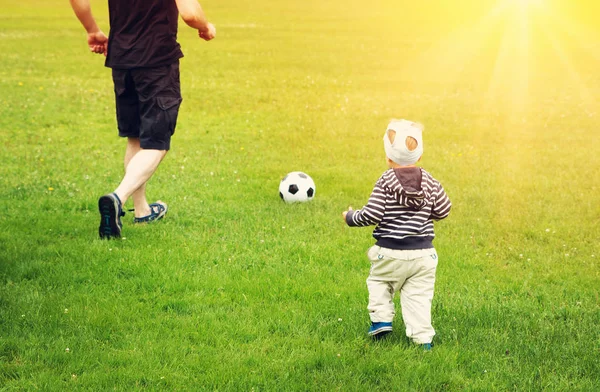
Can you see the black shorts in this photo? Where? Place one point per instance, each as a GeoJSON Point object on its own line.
{"type": "Point", "coordinates": [148, 102]}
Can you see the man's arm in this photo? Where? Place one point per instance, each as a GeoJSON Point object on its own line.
{"type": "Point", "coordinates": [97, 40]}
{"type": "Point", "coordinates": [192, 14]}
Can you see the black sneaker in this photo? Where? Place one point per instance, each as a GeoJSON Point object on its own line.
{"type": "Point", "coordinates": [110, 216]}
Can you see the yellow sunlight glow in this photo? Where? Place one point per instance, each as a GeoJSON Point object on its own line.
{"type": "Point", "coordinates": [510, 52]}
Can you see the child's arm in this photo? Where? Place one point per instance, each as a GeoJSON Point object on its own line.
{"type": "Point", "coordinates": [344, 213]}
{"type": "Point", "coordinates": [372, 212]}
{"type": "Point", "coordinates": [441, 203]}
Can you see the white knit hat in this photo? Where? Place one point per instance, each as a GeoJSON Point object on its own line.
{"type": "Point", "coordinates": [397, 151]}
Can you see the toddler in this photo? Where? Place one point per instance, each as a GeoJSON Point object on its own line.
{"type": "Point", "coordinates": [404, 202]}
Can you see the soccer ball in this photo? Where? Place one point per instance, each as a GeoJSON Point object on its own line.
{"type": "Point", "coordinates": [297, 187]}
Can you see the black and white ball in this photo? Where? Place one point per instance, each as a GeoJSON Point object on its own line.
{"type": "Point", "coordinates": [297, 187]}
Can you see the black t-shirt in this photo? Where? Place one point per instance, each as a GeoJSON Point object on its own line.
{"type": "Point", "coordinates": [143, 33]}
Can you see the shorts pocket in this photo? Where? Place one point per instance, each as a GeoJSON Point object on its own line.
{"type": "Point", "coordinates": [373, 253]}
{"type": "Point", "coordinates": [167, 103]}
{"type": "Point", "coordinates": [169, 109]}
{"type": "Point", "coordinates": [119, 81]}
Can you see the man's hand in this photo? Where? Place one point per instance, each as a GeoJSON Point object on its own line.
{"type": "Point", "coordinates": [209, 33]}
{"type": "Point", "coordinates": [98, 42]}
{"type": "Point", "coordinates": [346, 213]}
{"type": "Point", "coordinates": [192, 14]}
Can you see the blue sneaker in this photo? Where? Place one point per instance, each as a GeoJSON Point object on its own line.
{"type": "Point", "coordinates": [427, 346]}
{"type": "Point", "coordinates": [110, 216]}
{"type": "Point", "coordinates": [379, 330]}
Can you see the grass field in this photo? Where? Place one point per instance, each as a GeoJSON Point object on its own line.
{"type": "Point", "coordinates": [237, 291]}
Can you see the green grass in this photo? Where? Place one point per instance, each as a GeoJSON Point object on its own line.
{"type": "Point", "coordinates": [235, 290]}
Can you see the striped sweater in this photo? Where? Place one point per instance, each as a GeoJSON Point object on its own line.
{"type": "Point", "coordinates": [402, 206]}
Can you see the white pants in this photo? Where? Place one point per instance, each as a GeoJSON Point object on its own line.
{"type": "Point", "coordinates": [412, 272]}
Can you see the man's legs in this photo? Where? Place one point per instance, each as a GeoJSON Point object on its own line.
{"type": "Point", "coordinates": [147, 102]}
{"type": "Point", "coordinates": [139, 167]}
{"type": "Point", "coordinates": [140, 164]}
{"type": "Point", "coordinates": [158, 98]}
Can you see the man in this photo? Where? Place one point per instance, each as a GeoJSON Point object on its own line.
{"type": "Point", "coordinates": [143, 52]}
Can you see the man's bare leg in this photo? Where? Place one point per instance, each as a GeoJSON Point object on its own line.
{"type": "Point", "coordinates": [140, 203]}
{"type": "Point", "coordinates": [140, 165]}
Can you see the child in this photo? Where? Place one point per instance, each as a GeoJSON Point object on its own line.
{"type": "Point", "coordinates": [405, 201]}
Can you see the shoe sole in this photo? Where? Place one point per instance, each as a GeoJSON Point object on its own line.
{"type": "Point", "coordinates": [109, 218]}
{"type": "Point", "coordinates": [380, 331]}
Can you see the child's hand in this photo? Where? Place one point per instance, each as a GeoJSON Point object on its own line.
{"type": "Point", "coordinates": [346, 213]}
